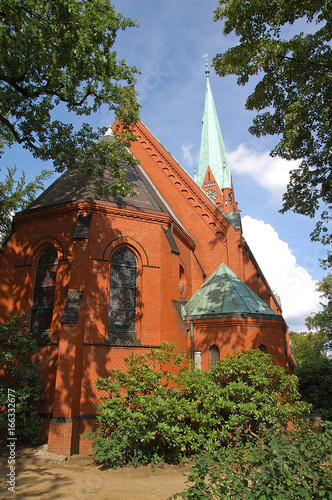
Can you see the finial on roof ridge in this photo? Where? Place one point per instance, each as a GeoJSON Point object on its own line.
{"type": "Point", "coordinates": [207, 71]}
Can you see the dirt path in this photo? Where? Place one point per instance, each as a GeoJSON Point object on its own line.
{"type": "Point", "coordinates": [80, 478]}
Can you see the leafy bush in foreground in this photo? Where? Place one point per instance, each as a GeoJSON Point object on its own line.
{"type": "Point", "coordinates": [294, 465]}
{"type": "Point", "coordinates": [161, 410]}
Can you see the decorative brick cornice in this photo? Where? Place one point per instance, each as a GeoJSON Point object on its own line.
{"type": "Point", "coordinates": [237, 320]}
{"type": "Point", "coordinates": [110, 209]}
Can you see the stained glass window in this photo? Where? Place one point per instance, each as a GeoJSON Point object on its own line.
{"type": "Point", "coordinates": [123, 292]}
{"type": "Point", "coordinates": [214, 355]}
{"type": "Point", "coordinates": [43, 293]}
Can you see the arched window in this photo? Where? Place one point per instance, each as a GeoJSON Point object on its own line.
{"type": "Point", "coordinates": [123, 295]}
{"type": "Point", "coordinates": [214, 355]}
{"type": "Point", "coordinates": [43, 293]}
{"type": "Point", "coordinates": [262, 348]}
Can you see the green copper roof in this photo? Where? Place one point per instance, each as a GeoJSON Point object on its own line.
{"type": "Point", "coordinates": [224, 293]}
{"type": "Point", "coordinates": [212, 152]}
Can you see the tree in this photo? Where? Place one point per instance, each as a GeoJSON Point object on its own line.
{"type": "Point", "coordinates": [19, 381]}
{"type": "Point", "coordinates": [17, 195]}
{"type": "Point", "coordinates": [315, 385]}
{"type": "Point", "coordinates": [294, 92]}
{"type": "Point", "coordinates": [307, 346]}
{"type": "Point", "coordinates": [57, 54]}
{"type": "Point", "coordinates": [311, 350]}
{"type": "Point", "coordinates": [322, 321]}
{"type": "Point", "coordinates": [317, 341]}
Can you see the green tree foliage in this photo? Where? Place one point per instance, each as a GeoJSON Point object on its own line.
{"type": "Point", "coordinates": [307, 346]}
{"type": "Point", "coordinates": [293, 95]}
{"type": "Point", "coordinates": [19, 373]}
{"type": "Point", "coordinates": [149, 414]}
{"type": "Point", "coordinates": [322, 321]}
{"type": "Point", "coordinates": [57, 60]}
{"type": "Point", "coordinates": [317, 341]}
{"type": "Point", "coordinates": [315, 385]}
{"type": "Point", "coordinates": [17, 194]}
{"type": "Point", "coordinates": [279, 465]}
{"type": "Point", "coordinates": [311, 350]}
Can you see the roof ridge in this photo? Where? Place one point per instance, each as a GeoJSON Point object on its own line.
{"type": "Point", "coordinates": [183, 176]}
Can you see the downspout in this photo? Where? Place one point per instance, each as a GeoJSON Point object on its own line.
{"type": "Point", "coordinates": [192, 342]}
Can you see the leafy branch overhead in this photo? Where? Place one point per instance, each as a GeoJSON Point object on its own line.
{"type": "Point", "coordinates": [15, 195]}
{"type": "Point", "coordinates": [57, 60]}
{"type": "Point", "coordinates": [293, 95]}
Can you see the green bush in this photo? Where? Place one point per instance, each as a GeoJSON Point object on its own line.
{"type": "Point", "coordinates": [258, 392]}
{"type": "Point", "coordinates": [292, 465]}
{"type": "Point", "coordinates": [149, 414]}
{"type": "Point", "coordinates": [19, 374]}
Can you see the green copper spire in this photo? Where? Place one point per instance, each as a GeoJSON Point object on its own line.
{"type": "Point", "coordinates": [212, 152]}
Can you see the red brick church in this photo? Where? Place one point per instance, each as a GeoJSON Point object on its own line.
{"type": "Point", "coordinates": [101, 278]}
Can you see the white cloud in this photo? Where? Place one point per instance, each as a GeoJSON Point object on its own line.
{"type": "Point", "coordinates": [289, 280]}
{"type": "Point", "coordinates": [270, 173]}
{"type": "Point", "coordinates": [186, 154]}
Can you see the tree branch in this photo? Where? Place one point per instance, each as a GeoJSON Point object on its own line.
{"type": "Point", "coordinates": [306, 62]}
{"type": "Point", "coordinates": [46, 91]}
{"type": "Point", "coordinates": [18, 138]}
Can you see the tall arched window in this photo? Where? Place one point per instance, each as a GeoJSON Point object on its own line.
{"type": "Point", "coordinates": [123, 295]}
{"type": "Point", "coordinates": [214, 355]}
{"type": "Point", "coordinates": [43, 293]}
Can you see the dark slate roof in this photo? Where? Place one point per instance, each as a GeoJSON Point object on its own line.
{"type": "Point", "coordinates": [225, 294]}
{"type": "Point", "coordinates": [171, 240]}
{"type": "Point", "coordinates": [77, 186]}
{"type": "Point", "coordinates": [234, 218]}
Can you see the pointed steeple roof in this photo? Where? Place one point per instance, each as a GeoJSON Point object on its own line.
{"type": "Point", "coordinates": [225, 294]}
{"type": "Point", "coordinates": [212, 152]}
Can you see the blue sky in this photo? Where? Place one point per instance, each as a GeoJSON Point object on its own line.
{"type": "Point", "coordinates": [168, 48]}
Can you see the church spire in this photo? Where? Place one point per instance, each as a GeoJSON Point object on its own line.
{"type": "Point", "coordinates": [212, 152]}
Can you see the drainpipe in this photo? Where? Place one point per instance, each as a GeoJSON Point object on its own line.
{"type": "Point", "coordinates": [192, 342]}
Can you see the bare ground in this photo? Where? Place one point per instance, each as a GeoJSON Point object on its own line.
{"type": "Point", "coordinates": [39, 474]}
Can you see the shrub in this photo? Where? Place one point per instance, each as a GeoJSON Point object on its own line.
{"type": "Point", "coordinates": [258, 391]}
{"type": "Point", "coordinates": [158, 409]}
{"type": "Point", "coordinates": [292, 465]}
{"type": "Point", "coordinates": [151, 414]}
{"type": "Point", "coordinates": [20, 374]}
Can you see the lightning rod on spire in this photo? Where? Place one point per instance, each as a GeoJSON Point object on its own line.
{"type": "Point", "coordinates": [207, 71]}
